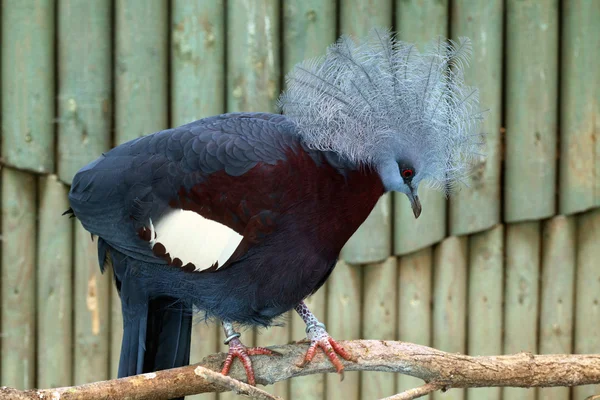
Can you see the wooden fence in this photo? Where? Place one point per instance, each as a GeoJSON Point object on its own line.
{"type": "Point", "coordinates": [510, 264]}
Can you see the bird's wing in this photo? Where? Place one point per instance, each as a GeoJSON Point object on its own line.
{"type": "Point", "coordinates": [192, 196]}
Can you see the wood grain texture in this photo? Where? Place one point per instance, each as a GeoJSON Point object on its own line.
{"type": "Point", "coordinates": [557, 294]}
{"type": "Point", "coordinates": [420, 22]}
{"type": "Point", "coordinates": [308, 28]}
{"type": "Point", "coordinates": [276, 335]}
{"type": "Point", "coordinates": [344, 301]}
{"type": "Point", "coordinates": [450, 301]}
{"type": "Point", "coordinates": [579, 185]}
{"type": "Point", "coordinates": [587, 304]}
{"type": "Point", "coordinates": [116, 329]}
{"type": "Point", "coordinates": [532, 83]}
{"type": "Point", "coordinates": [28, 87]}
{"type": "Point", "coordinates": [84, 77]}
{"type": "Point", "coordinates": [252, 55]}
{"type": "Point", "coordinates": [414, 305]}
{"type": "Point", "coordinates": [521, 299]}
{"type": "Point", "coordinates": [477, 207]}
{"type": "Point", "coordinates": [309, 387]}
{"type": "Point", "coordinates": [486, 275]}
{"type": "Point", "coordinates": [372, 242]}
{"type": "Point", "coordinates": [140, 68]}
{"type": "Point", "coordinates": [91, 312]}
{"type": "Point", "coordinates": [379, 312]}
{"type": "Point", "coordinates": [18, 279]}
{"type": "Point", "coordinates": [197, 59]}
{"type": "Point", "coordinates": [54, 290]}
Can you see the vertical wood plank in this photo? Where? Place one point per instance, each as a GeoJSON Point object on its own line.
{"type": "Point", "coordinates": [84, 93]}
{"type": "Point", "coordinates": [580, 106]}
{"type": "Point", "coordinates": [198, 56]}
{"type": "Point", "coordinates": [379, 320]}
{"type": "Point", "coordinates": [141, 68]}
{"type": "Point", "coordinates": [205, 341]}
{"type": "Point", "coordinates": [530, 166]}
{"type": "Point", "coordinates": [18, 278]}
{"type": "Point", "coordinates": [420, 22]}
{"type": "Point", "coordinates": [450, 302]}
{"type": "Point", "coordinates": [557, 294]}
{"type": "Point", "coordinates": [414, 305]}
{"type": "Point", "coordinates": [310, 387]}
{"type": "Point", "coordinates": [308, 28]}
{"type": "Point", "coordinates": [27, 86]}
{"type": "Point", "coordinates": [587, 311]}
{"type": "Point", "coordinates": [372, 242]}
{"type": "Point", "coordinates": [116, 329]}
{"type": "Point", "coordinates": [486, 254]}
{"type": "Point", "coordinates": [523, 241]}
{"type": "Point", "coordinates": [343, 323]}
{"type": "Point", "coordinates": [92, 302]}
{"type": "Point", "coordinates": [54, 290]}
{"type": "Point", "coordinates": [477, 207]}
{"type": "Point", "coordinates": [252, 55]}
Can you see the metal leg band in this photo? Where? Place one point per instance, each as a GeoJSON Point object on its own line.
{"type": "Point", "coordinates": [314, 325]}
{"type": "Point", "coordinates": [231, 337]}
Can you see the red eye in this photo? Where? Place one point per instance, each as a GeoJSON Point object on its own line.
{"type": "Point", "coordinates": [407, 173]}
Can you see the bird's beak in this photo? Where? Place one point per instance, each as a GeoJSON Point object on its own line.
{"type": "Point", "coordinates": [415, 203]}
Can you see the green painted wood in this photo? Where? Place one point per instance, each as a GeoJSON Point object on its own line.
{"type": "Point", "coordinates": [84, 76]}
{"type": "Point", "coordinates": [140, 68]}
{"type": "Point", "coordinates": [344, 300]}
{"type": "Point", "coordinates": [116, 329]}
{"type": "Point", "coordinates": [28, 87]}
{"type": "Point", "coordinates": [252, 55]}
{"type": "Point", "coordinates": [420, 22]}
{"type": "Point", "coordinates": [580, 106]}
{"type": "Point", "coordinates": [486, 274]}
{"type": "Point", "coordinates": [372, 242]}
{"type": "Point", "coordinates": [531, 110]}
{"type": "Point", "coordinates": [450, 302]}
{"type": "Point", "coordinates": [91, 312]}
{"type": "Point", "coordinates": [205, 341]}
{"type": "Point", "coordinates": [523, 241]}
{"type": "Point", "coordinates": [197, 59]}
{"type": "Point", "coordinates": [54, 290]}
{"type": "Point", "coordinates": [379, 313]}
{"type": "Point", "coordinates": [587, 306]}
{"type": "Point", "coordinates": [477, 207]}
{"type": "Point", "coordinates": [18, 279]}
{"type": "Point", "coordinates": [414, 305]}
{"type": "Point", "coordinates": [557, 294]}
{"type": "Point", "coordinates": [308, 28]}
{"type": "Point", "coordinates": [310, 387]}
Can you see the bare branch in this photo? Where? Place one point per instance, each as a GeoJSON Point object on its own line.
{"type": "Point", "coordinates": [234, 385]}
{"type": "Point", "coordinates": [416, 392]}
{"type": "Point", "coordinates": [436, 367]}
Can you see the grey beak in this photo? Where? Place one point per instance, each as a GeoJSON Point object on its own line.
{"type": "Point", "coordinates": [415, 203]}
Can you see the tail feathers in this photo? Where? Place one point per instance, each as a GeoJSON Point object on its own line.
{"type": "Point", "coordinates": [156, 339]}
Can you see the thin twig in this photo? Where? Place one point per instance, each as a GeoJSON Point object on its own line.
{"type": "Point", "coordinates": [234, 385]}
{"type": "Point", "coordinates": [416, 392]}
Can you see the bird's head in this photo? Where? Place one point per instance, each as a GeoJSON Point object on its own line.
{"type": "Point", "coordinates": [381, 102]}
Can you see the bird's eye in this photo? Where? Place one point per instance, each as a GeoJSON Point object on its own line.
{"type": "Point", "coordinates": [407, 173]}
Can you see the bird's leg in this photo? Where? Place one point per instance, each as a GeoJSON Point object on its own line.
{"type": "Point", "coordinates": [318, 336]}
{"type": "Point", "coordinates": [239, 350]}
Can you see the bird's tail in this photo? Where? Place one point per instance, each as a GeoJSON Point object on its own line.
{"type": "Point", "coordinates": [156, 338]}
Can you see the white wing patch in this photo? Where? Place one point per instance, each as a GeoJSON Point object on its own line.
{"type": "Point", "coordinates": [194, 239]}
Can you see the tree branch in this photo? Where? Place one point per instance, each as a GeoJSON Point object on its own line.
{"type": "Point", "coordinates": [433, 366]}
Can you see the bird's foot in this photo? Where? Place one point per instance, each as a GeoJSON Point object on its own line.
{"type": "Point", "coordinates": [319, 337]}
{"type": "Point", "coordinates": [239, 350]}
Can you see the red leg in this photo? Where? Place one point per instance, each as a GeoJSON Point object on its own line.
{"type": "Point", "coordinates": [319, 337]}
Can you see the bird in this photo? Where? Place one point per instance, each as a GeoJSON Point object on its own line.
{"type": "Point", "coordinates": [238, 218]}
